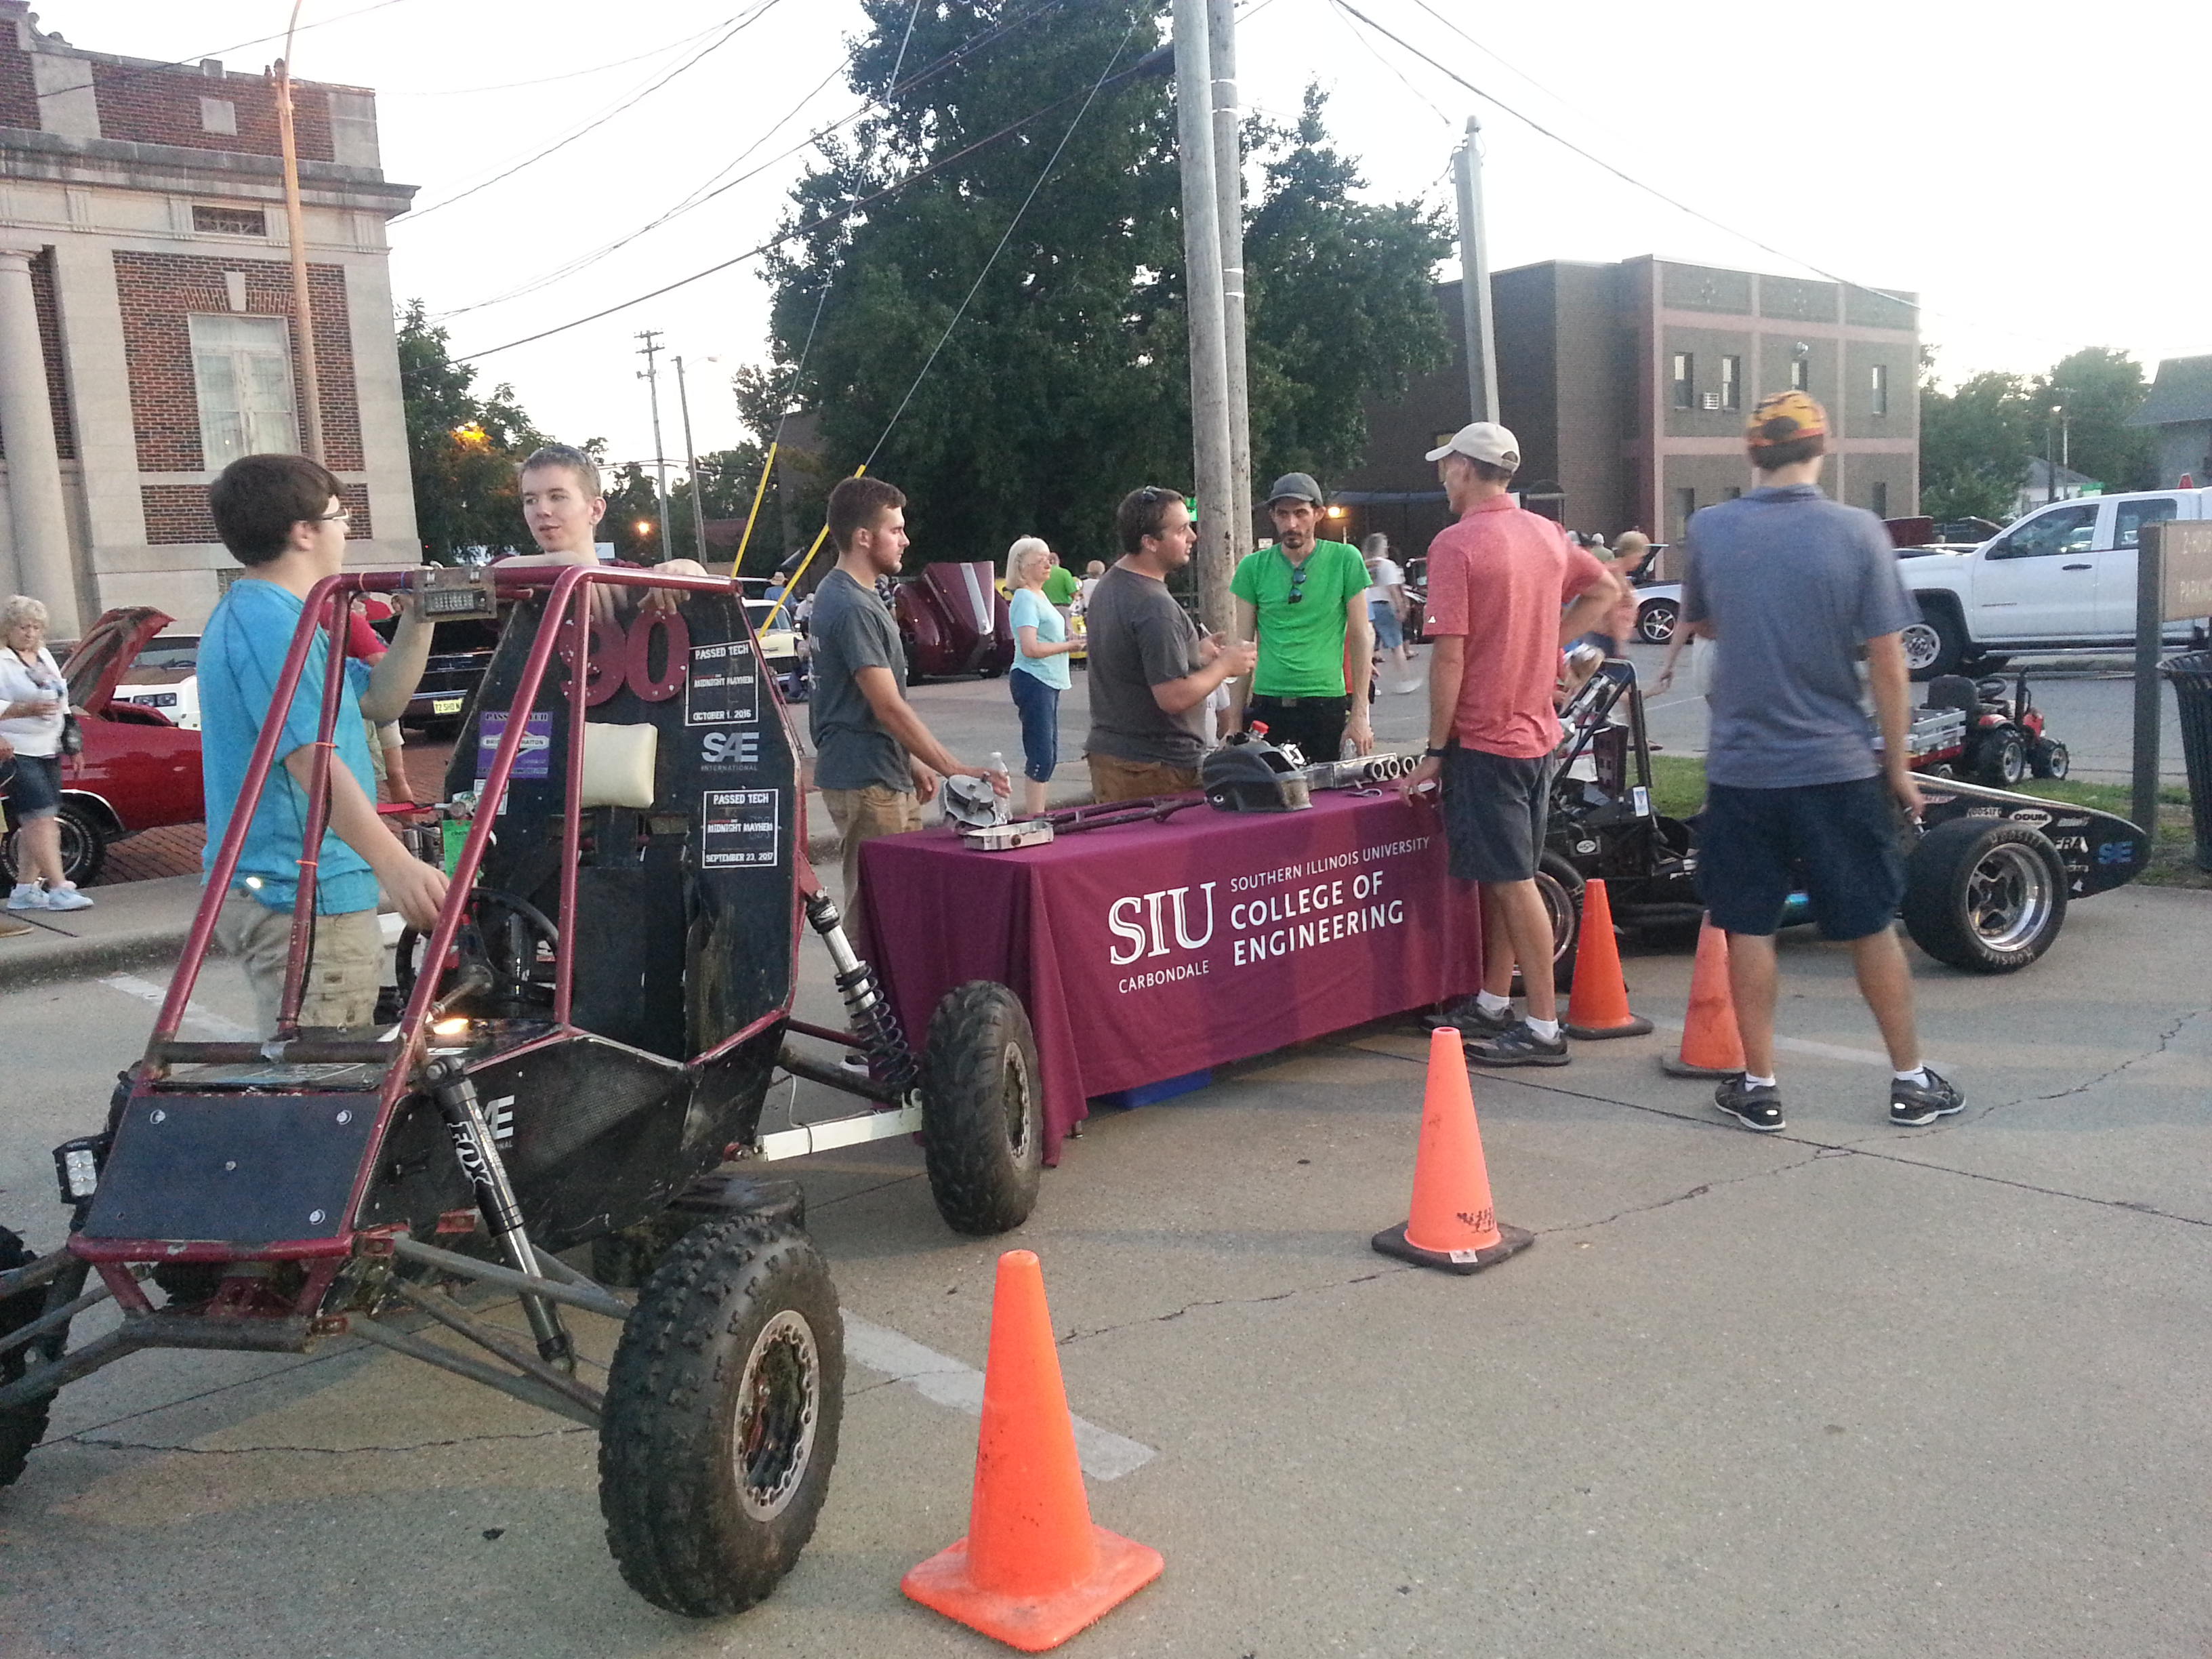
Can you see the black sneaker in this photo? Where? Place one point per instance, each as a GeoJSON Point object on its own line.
{"type": "Point", "coordinates": [1755, 1105]}
{"type": "Point", "coordinates": [1467, 1017]}
{"type": "Point", "coordinates": [1517, 1045]}
{"type": "Point", "coordinates": [1911, 1105]}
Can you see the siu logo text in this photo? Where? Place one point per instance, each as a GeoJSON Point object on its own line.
{"type": "Point", "coordinates": [1145, 923]}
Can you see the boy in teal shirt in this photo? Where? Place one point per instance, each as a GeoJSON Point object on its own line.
{"type": "Point", "coordinates": [1305, 601]}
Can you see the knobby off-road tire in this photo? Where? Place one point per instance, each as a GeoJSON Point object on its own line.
{"type": "Point", "coordinates": [1984, 895]}
{"type": "Point", "coordinates": [21, 1427]}
{"type": "Point", "coordinates": [720, 1423]}
{"type": "Point", "coordinates": [2003, 760]}
{"type": "Point", "coordinates": [982, 1109]}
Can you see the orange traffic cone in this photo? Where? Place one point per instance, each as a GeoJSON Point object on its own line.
{"type": "Point", "coordinates": [1033, 1569]}
{"type": "Point", "coordinates": [1453, 1226]}
{"type": "Point", "coordinates": [1711, 1047]}
{"type": "Point", "coordinates": [1598, 1005]}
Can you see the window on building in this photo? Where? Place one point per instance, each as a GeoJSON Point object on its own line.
{"type": "Point", "coordinates": [1878, 384]}
{"type": "Point", "coordinates": [242, 369]}
{"type": "Point", "coordinates": [1685, 380]}
{"type": "Point", "coordinates": [1685, 503]}
{"type": "Point", "coordinates": [218, 115]}
{"type": "Point", "coordinates": [1800, 374]}
{"type": "Point", "coordinates": [1731, 383]}
{"type": "Point", "coordinates": [1880, 497]}
{"type": "Point", "coordinates": [229, 220]}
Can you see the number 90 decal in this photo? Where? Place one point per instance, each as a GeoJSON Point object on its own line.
{"type": "Point", "coordinates": [616, 657]}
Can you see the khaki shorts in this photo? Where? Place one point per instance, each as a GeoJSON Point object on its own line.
{"type": "Point", "coordinates": [863, 815]}
{"type": "Point", "coordinates": [1113, 778]}
{"type": "Point", "coordinates": [343, 967]}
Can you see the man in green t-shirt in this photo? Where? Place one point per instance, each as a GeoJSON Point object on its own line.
{"type": "Point", "coordinates": [1304, 600]}
{"type": "Point", "coordinates": [1059, 585]}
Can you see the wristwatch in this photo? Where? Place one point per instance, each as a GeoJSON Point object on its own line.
{"type": "Point", "coordinates": [1432, 754]}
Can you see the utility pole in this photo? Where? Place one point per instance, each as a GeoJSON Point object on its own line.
{"type": "Point", "coordinates": [1228, 210]}
{"type": "Point", "coordinates": [1474, 281]}
{"type": "Point", "coordinates": [1218, 502]}
{"type": "Point", "coordinates": [651, 376]}
{"type": "Point", "coordinates": [691, 464]}
{"type": "Point", "coordinates": [303, 306]}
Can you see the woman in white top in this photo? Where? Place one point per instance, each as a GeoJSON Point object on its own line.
{"type": "Point", "coordinates": [33, 697]}
{"type": "Point", "coordinates": [1040, 673]}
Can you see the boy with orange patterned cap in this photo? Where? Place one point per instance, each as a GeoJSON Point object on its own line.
{"type": "Point", "coordinates": [1794, 589]}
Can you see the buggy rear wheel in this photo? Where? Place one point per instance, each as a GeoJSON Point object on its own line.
{"type": "Point", "coordinates": [1559, 885]}
{"type": "Point", "coordinates": [982, 1109]}
{"type": "Point", "coordinates": [21, 1427]}
{"type": "Point", "coordinates": [720, 1423]}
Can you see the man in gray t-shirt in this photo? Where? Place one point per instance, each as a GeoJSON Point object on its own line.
{"type": "Point", "coordinates": [1150, 673]}
{"type": "Point", "coordinates": [1793, 589]}
{"type": "Point", "coordinates": [875, 763]}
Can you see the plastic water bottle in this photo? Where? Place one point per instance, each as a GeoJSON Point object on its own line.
{"type": "Point", "coordinates": [1001, 780]}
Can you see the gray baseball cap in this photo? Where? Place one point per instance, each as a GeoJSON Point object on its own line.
{"type": "Point", "coordinates": [1295, 486]}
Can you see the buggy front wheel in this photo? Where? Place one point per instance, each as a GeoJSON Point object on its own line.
{"type": "Point", "coordinates": [720, 1423]}
{"type": "Point", "coordinates": [21, 1427]}
{"type": "Point", "coordinates": [982, 1109]}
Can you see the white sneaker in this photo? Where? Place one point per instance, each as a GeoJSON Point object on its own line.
{"type": "Point", "coordinates": [66, 898]}
{"type": "Point", "coordinates": [27, 896]}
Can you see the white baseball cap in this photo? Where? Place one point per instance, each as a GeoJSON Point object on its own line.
{"type": "Point", "coordinates": [1483, 440]}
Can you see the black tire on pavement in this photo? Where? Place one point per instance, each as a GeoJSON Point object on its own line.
{"type": "Point", "coordinates": [720, 1425]}
{"type": "Point", "coordinates": [2003, 760]}
{"type": "Point", "coordinates": [982, 1109]}
{"type": "Point", "coordinates": [84, 846]}
{"type": "Point", "coordinates": [1656, 620]}
{"type": "Point", "coordinates": [21, 1427]}
{"type": "Point", "coordinates": [1984, 895]}
{"type": "Point", "coordinates": [2049, 759]}
{"type": "Point", "coordinates": [1934, 644]}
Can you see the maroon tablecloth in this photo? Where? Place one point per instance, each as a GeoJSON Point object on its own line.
{"type": "Point", "coordinates": [1151, 951]}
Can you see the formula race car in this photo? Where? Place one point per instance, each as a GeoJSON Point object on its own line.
{"type": "Point", "coordinates": [1988, 877]}
{"type": "Point", "coordinates": [587, 1038]}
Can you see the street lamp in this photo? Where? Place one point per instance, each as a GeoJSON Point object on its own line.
{"type": "Point", "coordinates": [2050, 454]}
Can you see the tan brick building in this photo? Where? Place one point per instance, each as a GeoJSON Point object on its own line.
{"type": "Point", "coordinates": [147, 335]}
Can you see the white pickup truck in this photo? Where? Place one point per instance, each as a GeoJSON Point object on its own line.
{"type": "Point", "coordinates": [2061, 579]}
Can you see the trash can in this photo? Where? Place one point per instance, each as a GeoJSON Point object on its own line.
{"type": "Point", "coordinates": [2191, 674]}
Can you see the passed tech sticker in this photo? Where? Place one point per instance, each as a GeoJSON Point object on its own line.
{"type": "Point", "coordinates": [722, 688]}
{"type": "Point", "coordinates": [738, 827]}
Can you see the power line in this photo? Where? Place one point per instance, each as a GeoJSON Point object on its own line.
{"type": "Point", "coordinates": [701, 194]}
{"type": "Point", "coordinates": [124, 75]}
{"type": "Point", "coordinates": [738, 26]}
{"type": "Point", "coordinates": [548, 80]}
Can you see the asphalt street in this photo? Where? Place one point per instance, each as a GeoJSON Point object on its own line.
{"type": "Point", "coordinates": [1847, 1390]}
{"type": "Point", "coordinates": [2088, 702]}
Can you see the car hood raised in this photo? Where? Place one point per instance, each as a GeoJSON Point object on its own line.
{"type": "Point", "coordinates": [109, 647]}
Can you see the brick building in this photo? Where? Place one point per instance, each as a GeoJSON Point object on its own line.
{"type": "Point", "coordinates": [1628, 386]}
{"type": "Point", "coordinates": [146, 335]}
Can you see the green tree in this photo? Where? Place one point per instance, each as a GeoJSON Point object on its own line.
{"type": "Point", "coordinates": [1066, 383]}
{"type": "Point", "coordinates": [1976, 442]}
{"type": "Point", "coordinates": [2101, 389]}
{"type": "Point", "coordinates": [462, 449]}
{"type": "Point", "coordinates": [1340, 302]}
{"type": "Point", "coordinates": [724, 482]}
{"type": "Point", "coordinates": [632, 522]}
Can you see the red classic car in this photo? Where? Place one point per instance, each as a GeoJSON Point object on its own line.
{"type": "Point", "coordinates": [138, 771]}
{"type": "Point", "coordinates": [952, 620]}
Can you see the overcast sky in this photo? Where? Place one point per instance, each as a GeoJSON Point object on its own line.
{"type": "Point", "coordinates": [2037, 172]}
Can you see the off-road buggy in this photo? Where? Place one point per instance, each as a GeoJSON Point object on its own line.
{"type": "Point", "coordinates": [1988, 876]}
{"type": "Point", "coordinates": [588, 1037]}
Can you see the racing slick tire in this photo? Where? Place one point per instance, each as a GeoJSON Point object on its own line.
{"type": "Point", "coordinates": [982, 1109]}
{"type": "Point", "coordinates": [720, 1423]}
{"type": "Point", "coordinates": [1559, 885]}
{"type": "Point", "coordinates": [2003, 760]}
{"type": "Point", "coordinates": [2049, 759]}
{"type": "Point", "coordinates": [21, 1427]}
{"type": "Point", "coordinates": [1984, 895]}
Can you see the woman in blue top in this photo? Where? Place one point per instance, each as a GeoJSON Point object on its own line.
{"type": "Point", "coordinates": [1041, 648]}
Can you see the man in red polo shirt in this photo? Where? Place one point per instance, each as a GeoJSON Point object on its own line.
{"type": "Point", "coordinates": [1507, 591]}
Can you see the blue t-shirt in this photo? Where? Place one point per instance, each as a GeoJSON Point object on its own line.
{"type": "Point", "coordinates": [1794, 585]}
{"type": "Point", "coordinates": [1031, 609]}
{"type": "Point", "coordinates": [242, 651]}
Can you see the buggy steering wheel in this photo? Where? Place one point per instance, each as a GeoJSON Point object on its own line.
{"type": "Point", "coordinates": [505, 951]}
